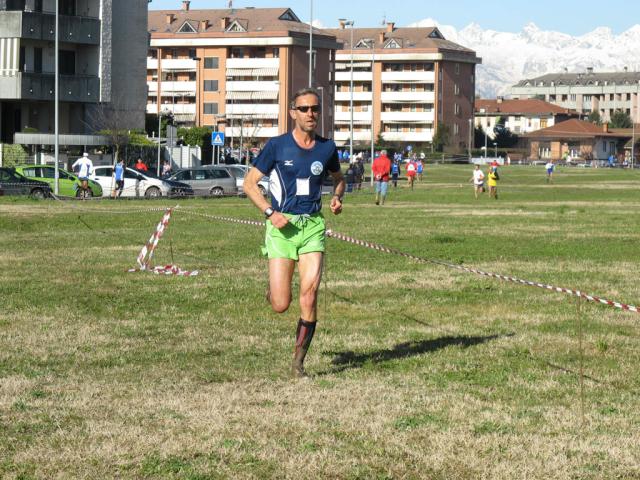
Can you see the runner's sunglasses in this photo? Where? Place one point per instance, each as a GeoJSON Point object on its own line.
{"type": "Point", "coordinates": [305, 108]}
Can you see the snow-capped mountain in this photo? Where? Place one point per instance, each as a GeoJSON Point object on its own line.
{"type": "Point", "coordinates": [508, 58]}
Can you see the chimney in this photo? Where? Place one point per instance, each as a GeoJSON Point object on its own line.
{"type": "Point", "coordinates": [341, 25]}
{"type": "Point", "coordinates": [589, 70]}
{"type": "Point", "coordinates": [204, 24]}
{"type": "Point", "coordinates": [381, 37]}
{"type": "Point", "coordinates": [224, 22]}
{"type": "Point", "coordinates": [500, 99]}
{"type": "Point", "coordinates": [185, 5]}
{"type": "Point", "coordinates": [605, 127]}
{"type": "Point", "coordinates": [626, 69]}
{"type": "Point", "coordinates": [390, 26]}
{"type": "Point", "coordinates": [170, 18]}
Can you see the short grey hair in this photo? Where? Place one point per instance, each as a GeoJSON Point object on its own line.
{"type": "Point", "coordinates": [383, 152]}
{"type": "Point", "coordinates": [302, 92]}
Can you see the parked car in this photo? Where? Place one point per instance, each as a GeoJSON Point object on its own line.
{"type": "Point", "coordinates": [13, 183]}
{"type": "Point", "coordinates": [239, 171]}
{"type": "Point", "coordinates": [139, 184]}
{"type": "Point", "coordinates": [211, 180]}
{"type": "Point", "coordinates": [68, 185]}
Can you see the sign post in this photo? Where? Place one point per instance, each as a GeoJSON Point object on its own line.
{"type": "Point", "coordinates": [217, 140]}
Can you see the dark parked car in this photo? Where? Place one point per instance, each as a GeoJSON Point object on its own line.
{"type": "Point", "coordinates": [12, 183]}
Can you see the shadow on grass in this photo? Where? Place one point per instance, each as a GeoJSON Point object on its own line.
{"type": "Point", "coordinates": [349, 359]}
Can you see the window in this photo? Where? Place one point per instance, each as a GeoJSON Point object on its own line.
{"type": "Point", "coordinates": [573, 97]}
{"type": "Point", "coordinates": [37, 60]}
{"type": "Point", "coordinates": [211, 85]}
{"type": "Point", "coordinates": [210, 108]}
{"type": "Point", "coordinates": [184, 175]}
{"type": "Point", "coordinates": [67, 62]}
{"type": "Point", "coordinates": [457, 69]}
{"type": "Point", "coordinates": [456, 89]}
{"type": "Point", "coordinates": [276, 52]}
{"type": "Point", "coordinates": [587, 98]}
{"type": "Point", "coordinates": [66, 7]}
{"type": "Point", "coordinates": [192, 53]}
{"type": "Point", "coordinates": [211, 62]}
{"type": "Point", "coordinates": [186, 28]}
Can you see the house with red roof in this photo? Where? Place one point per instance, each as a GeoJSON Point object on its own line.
{"type": "Point", "coordinates": [582, 141]}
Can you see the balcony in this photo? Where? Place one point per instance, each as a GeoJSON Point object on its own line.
{"type": "Point", "coordinates": [40, 86]}
{"type": "Point", "coordinates": [240, 86]}
{"type": "Point", "coordinates": [152, 63]}
{"type": "Point", "coordinates": [408, 136]}
{"type": "Point", "coordinates": [404, 117]}
{"type": "Point", "coordinates": [408, 77]}
{"type": "Point", "coordinates": [251, 63]}
{"type": "Point", "coordinates": [251, 132]}
{"type": "Point", "coordinates": [41, 26]}
{"type": "Point", "coordinates": [357, 96]}
{"type": "Point", "coordinates": [168, 87]}
{"type": "Point", "coordinates": [176, 64]}
{"type": "Point", "coordinates": [401, 97]}
{"type": "Point", "coordinates": [359, 136]}
{"type": "Point", "coordinates": [261, 110]}
{"type": "Point", "coordinates": [357, 116]}
{"type": "Point", "coordinates": [357, 76]}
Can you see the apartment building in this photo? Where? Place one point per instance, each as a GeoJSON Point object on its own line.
{"type": "Point", "coordinates": [602, 92]}
{"type": "Point", "coordinates": [101, 65]}
{"type": "Point", "coordinates": [235, 69]}
{"type": "Point", "coordinates": [519, 116]}
{"type": "Point", "coordinates": [406, 81]}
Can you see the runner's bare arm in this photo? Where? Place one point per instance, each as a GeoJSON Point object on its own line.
{"type": "Point", "coordinates": [338, 192]}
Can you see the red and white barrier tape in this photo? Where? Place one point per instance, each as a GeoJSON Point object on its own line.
{"type": "Point", "coordinates": [506, 278]}
{"type": "Point", "coordinates": [146, 254]}
{"type": "Point", "coordinates": [381, 248]}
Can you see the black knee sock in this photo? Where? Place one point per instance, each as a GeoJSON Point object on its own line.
{"type": "Point", "coordinates": [304, 335]}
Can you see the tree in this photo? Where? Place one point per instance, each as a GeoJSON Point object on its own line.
{"type": "Point", "coordinates": [478, 137]}
{"type": "Point", "coordinates": [620, 119]}
{"type": "Point", "coordinates": [594, 117]}
{"type": "Point", "coordinates": [196, 136]}
{"type": "Point", "coordinates": [441, 137]}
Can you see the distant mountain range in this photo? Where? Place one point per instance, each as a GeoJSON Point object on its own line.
{"type": "Point", "coordinates": [508, 58]}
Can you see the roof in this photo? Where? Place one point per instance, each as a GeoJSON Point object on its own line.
{"type": "Point", "coordinates": [428, 38]}
{"type": "Point", "coordinates": [573, 128]}
{"type": "Point", "coordinates": [587, 78]}
{"type": "Point", "coordinates": [253, 20]}
{"type": "Point", "coordinates": [519, 107]}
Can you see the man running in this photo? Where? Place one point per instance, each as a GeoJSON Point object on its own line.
{"type": "Point", "coordinates": [411, 172]}
{"type": "Point", "coordinates": [84, 168]}
{"type": "Point", "coordinates": [296, 163]}
{"type": "Point", "coordinates": [478, 180]}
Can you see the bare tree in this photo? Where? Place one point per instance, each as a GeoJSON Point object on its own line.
{"type": "Point", "coordinates": [114, 122]}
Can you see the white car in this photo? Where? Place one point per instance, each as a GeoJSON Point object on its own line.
{"type": "Point", "coordinates": [139, 184]}
{"type": "Point", "coordinates": [239, 171]}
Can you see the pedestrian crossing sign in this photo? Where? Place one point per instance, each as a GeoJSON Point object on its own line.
{"type": "Point", "coordinates": [217, 139]}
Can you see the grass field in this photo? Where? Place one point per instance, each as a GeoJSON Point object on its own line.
{"type": "Point", "coordinates": [419, 371]}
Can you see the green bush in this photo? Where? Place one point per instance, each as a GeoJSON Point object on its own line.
{"type": "Point", "coordinates": [13, 154]}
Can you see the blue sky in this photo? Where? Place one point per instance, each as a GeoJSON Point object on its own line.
{"type": "Point", "coordinates": [575, 17]}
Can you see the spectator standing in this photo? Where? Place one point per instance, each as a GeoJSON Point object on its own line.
{"type": "Point", "coordinates": [166, 168]}
{"type": "Point", "coordinates": [119, 178]}
{"type": "Point", "coordinates": [350, 177]}
{"type": "Point", "coordinates": [141, 166]}
{"type": "Point", "coordinates": [381, 168]}
{"type": "Point", "coordinates": [83, 166]}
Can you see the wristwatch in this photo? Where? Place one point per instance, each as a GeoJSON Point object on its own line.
{"type": "Point", "coordinates": [268, 212]}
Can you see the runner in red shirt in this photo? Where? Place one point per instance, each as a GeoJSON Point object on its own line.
{"type": "Point", "coordinates": [412, 169]}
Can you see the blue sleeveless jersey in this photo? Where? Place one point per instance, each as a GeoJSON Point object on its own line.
{"type": "Point", "coordinates": [295, 173]}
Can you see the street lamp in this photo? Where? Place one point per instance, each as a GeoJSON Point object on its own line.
{"type": "Point", "coordinates": [373, 60]}
{"type": "Point", "coordinates": [310, 43]}
{"type": "Point", "coordinates": [56, 113]}
{"type": "Point", "coordinates": [470, 137]}
{"type": "Point", "coordinates": [349, 23]}
{"type": "Point", "coordinates": [321, 88]}
{"type": "Point", "coordinates": [164, 111]}
{"type": "Point", "coordinates": [197, 60]}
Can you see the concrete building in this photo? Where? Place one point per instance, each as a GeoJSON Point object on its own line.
{"type": "Point", "coordinates": [405, 82]}
{"type": "Point", "coordinates": [101, 67]}
{"type": "Point", "coordinates": [519, 116]}
{"type": "Point", "coordinates": [602, 92]}
{"type": "Point", "coordinates": [235, 69]}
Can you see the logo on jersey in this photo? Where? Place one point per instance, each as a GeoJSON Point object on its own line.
{"type": "Point", "coordinates": [288, 163]}
{"type": "Point", "coordinates": [316, 168]}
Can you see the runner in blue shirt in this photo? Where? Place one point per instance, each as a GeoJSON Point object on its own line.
{"type": "Point", "coordinates": [119, 178]}
{"type": "Point", "coordinates": [296, 164]}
